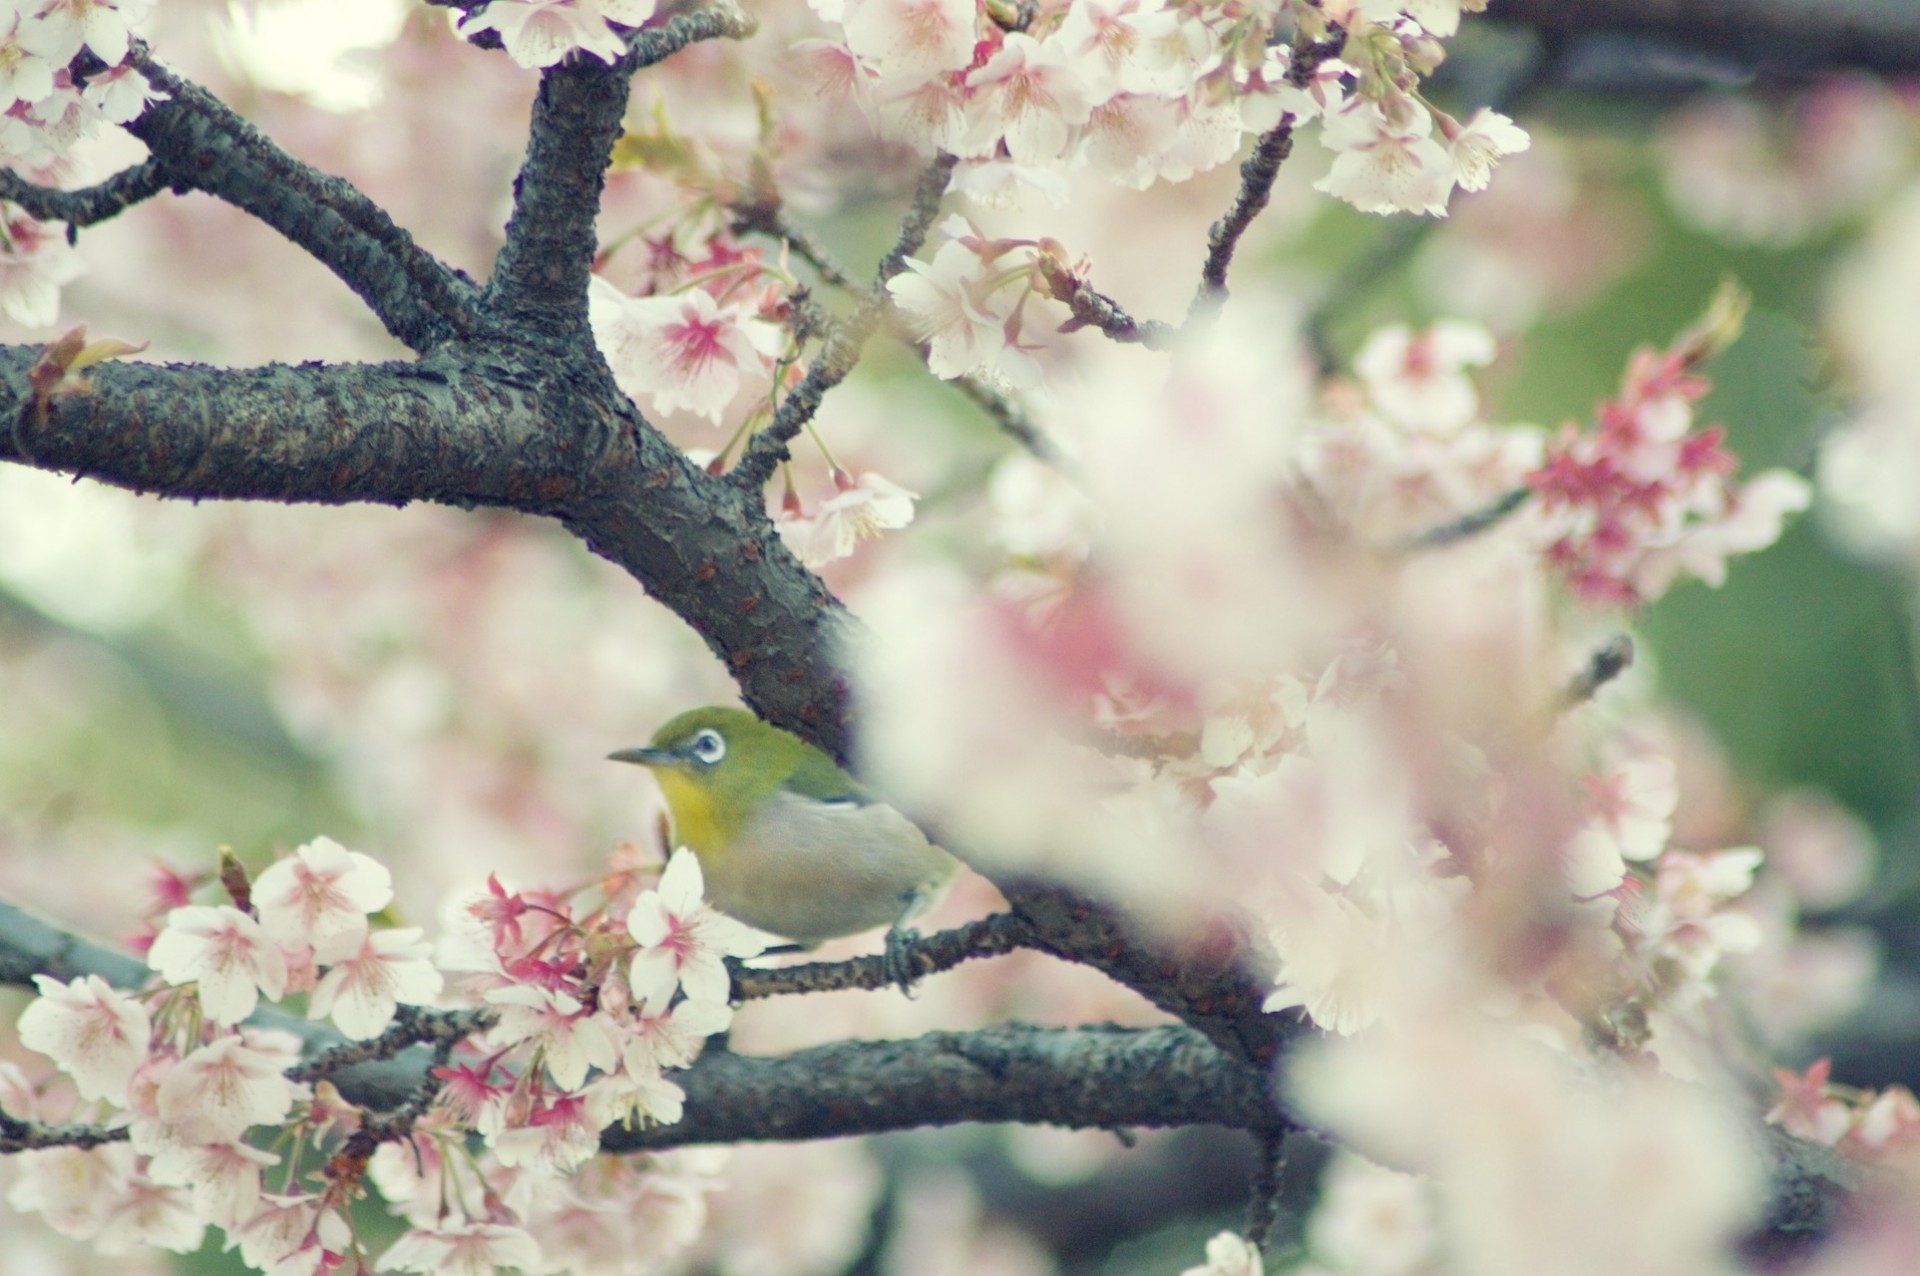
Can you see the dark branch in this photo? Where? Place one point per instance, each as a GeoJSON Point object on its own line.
{"type": "Point", "coordinates": [1094, 309]}
{"type": "Point", "coordinates": [541, 272]}
{"type": "Point", "coordinates": [1257, 174]}
{"type": "Point", "coordinates": [88, 205]}
{"type": "Point", "coordinates": [200, 144]}
{"type": "Point", "coordinates": [1471, 523]}
{"type": "Point", "coordinates": [989, 937]}
{"type": "Point", "coordinates": [512, 430]}
{"type": "Point", "coordinates": [1788, 36]}
{"type": "Point", "coordinates": [1080, 1078]}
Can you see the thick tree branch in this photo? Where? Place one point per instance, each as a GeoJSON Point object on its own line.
{"type": "Point", "coordinates": [198, 143]}
{"type": "Point", "coordinates": [500, 428]}
{"type": "Point", "coordinates": [1081, 1078]}
{"type": "Point", "coordinates": [542, 269]}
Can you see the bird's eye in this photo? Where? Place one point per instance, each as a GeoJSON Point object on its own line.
{"type": "Point", "coordinates": [708, 747]}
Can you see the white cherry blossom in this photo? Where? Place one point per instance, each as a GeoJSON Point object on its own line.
{"type": "Point", "coordinates": [320, 892]}
{"type": "Point", "coordinates": [1386, 164]}
{"type": "Point", "coordinates": [684, 351]}
{"type": "Point", "coordinates": [226, 953]}
{"type": "Point", "coordinates": [541, 33]}
{"type": "Point", "coordinates": [219, 1091]}
{"type": "Point", "coordinates": [684, 941]}
{"type": "Point", "coordinates": [475, 1249]}
{"type": "Point", "coordinates": [96, 1035]}
{"type": "Point", "coordinates": [362, 989]}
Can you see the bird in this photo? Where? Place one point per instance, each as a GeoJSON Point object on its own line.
{"type": "Point", "coordinates": [788, 842]}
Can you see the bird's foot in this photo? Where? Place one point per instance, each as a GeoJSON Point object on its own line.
{"type": "Point", "coordinates": [899, 961]}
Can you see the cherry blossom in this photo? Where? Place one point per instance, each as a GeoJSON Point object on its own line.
{"type": "Point", "coordinates": [1028, 96]}
{"type": "Point", "coordinates": [226, 953]}
{"type": "Point", "coordinates": [35, 263]}
{"type": "Point", "coordinates": [571, 1039]}
{"type": "Point", "coordinates": [1229, 1254]}
{"type": "Point", "coordinates": [965, 304]}
{"type": "Point", "coordinates": [682, 940]}
{"type": "Point", "coordinates": [859, 509]}
{"type": "Point", "coordinates": [1386, 163]}
{"type": "Point", "coordinates": [684, 351]}
{"type": "Point", "coordinates": [476, 1249]}
{"type": "Point", "coordinates": [217, 1092]}
{"type": "Point", "coordinates": [1417, 379]}
{"type": "Point", "coordinates": [907, 40]}
{"type": "Point", "coordinates": [320, 892]}
{"type": "Point", "coordinates": [96, 1035]}
{"type": "Point", "coordinates": [366, 983]}
{"type": "Point", "coordinates": [61, 28]}
{"type": "Point", "coordinates": [541, 33]}
{"type": "Point", "coordinates": [1479, 144]}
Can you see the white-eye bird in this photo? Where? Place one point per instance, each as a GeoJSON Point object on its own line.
{"type": "Point", "coordinates": [787, 841]}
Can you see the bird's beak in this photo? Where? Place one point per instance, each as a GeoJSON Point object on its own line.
{"type": "Point", "coordinates": [645, 755]}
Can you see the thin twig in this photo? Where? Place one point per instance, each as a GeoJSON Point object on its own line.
{"type": "Point", "coordinates": [989, 937]}
{"type": "Point", "coordinates": [1608, 661]}
{"type": "Point", "coordinates": [90, 204]}
{"type": "Point", "coordinates": [1094, 309]}
{"type": "Point", "coordinates": [17, 1135]}
{"type": "Point", "coordinates": [1472, 523]}
{"type": "Point", "coordinates": [1012, 419]}
{"type": "Point", "coordinates": [412, 1026]}
{"type": "Point", "coordinates": [845, 340]}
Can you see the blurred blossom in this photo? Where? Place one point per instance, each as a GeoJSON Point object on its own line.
{"type": "Point", "coordinates": [939, 1229]}
{"type": "Point", "coordinates": [795, 1209]}
{"type": "Point", "coordinates": [1736, 168]}
{"type": "Point", "coordinates": [1869, 469]}
{"type": "Point", "coordinates": [1539, 1158]}
{"type": "Point", "coordinates": [1371, 1221]}
{"type": "Point", "coordinates": [93, 557]}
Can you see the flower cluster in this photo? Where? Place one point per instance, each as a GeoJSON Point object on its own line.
{"type": "Point", "coordinates": [969, 304]}
{"type": "Point", "coordinates": [1140, 91]}
{"type": "Point", "coordinates": [582, 1020]}
{"type": "Point", "coordinates": [1881, 1126]}
{"type": "Point", "coordinates": [48, 113]}
{"type": "Point", "coordinates": [1627, 507]}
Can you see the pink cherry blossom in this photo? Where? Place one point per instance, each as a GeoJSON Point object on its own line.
{"type": "Point", "coordinates": [859, 510]}
{"type": "Point", "coordinates": [908, 40]}
{"type": "Point", "coordinates": [361, 990]}
{"type": "Point", "coordinates": [682, 940]}
{"type": "Point", "coordinates": [684, 352]}
{"type": "Point", "coordinates": [570, 1038]}
{"type": "Point", "coordinates": [94, 1034]}
{"type": "Point", "coordinates": [1416, 378]}
{"type": "Point", "coordinates": [35, 263]}
{"type": "Point", "coordinates": [1027, 96]}
{"type": "Point", "coordinates": [225, 953]}
{"type": "Point", "coordinates": [320, 892]}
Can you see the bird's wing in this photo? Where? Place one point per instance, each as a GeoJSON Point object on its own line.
{"type": "Point", "coordinates": [818, 779]}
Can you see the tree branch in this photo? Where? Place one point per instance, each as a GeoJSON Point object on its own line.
{"type": "Point", "coordinates": [1081, 1078]}
{"type": "Point", "coordinates": [1793, 36]}
{"type": "Point", "coordinates": [542, 269]}
{"type": "Point", "coordinates": [90, 204]}
{"type": "Point", "coordinates": [200, 144]}
{"type": "Point", "coordinates": [845, 340]}
{"type": "Point", "coordinates": [511, 429]}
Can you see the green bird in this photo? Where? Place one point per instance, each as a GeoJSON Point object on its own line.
{"type": "Point", "coordinates": [787, 841]}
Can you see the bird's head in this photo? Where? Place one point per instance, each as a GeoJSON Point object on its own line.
{"type": "Point", "coordinates": [715, 766]}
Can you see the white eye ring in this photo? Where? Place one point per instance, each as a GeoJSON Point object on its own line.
{"type": "Point", "coordinates": [708, 747]}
